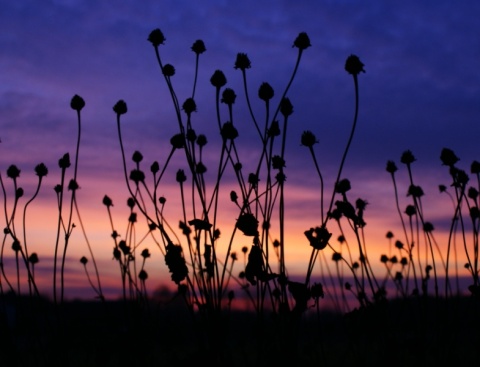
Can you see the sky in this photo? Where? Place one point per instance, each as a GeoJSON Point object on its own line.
{"type": "Point", "coordinates": [420, 92]}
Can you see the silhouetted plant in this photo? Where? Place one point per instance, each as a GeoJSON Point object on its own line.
{"type": "Point", "coordinates": [202, 258]}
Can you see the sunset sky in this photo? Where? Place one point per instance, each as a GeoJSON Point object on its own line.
{"type": "Point", "coordinates": [420, 92]}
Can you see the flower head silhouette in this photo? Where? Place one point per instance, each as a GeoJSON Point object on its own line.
{"type": "Point", "coordinates": [156, 37]}
{"type": "Point", "coordinates": [198, 47]}
{"type": "Point", "coordinates": [353, 65]}
{"type": "Point", "coordinates": [77, 103]}
{"type": "Point", "coordinates": [302, 41]}
{"type": "Point", "coordinates": [242, 62]}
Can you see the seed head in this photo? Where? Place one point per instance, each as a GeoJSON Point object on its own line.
{"type": "Point", "coordinates": [274, 129]}
{"type": "Point", "coordinates": [73, 185]}
{"type": "Point", "coordinates": [286, 107]}
{"type": "Point", "coordinates": [107, 201]}
{"type": "Point", "coordinates": [13, 172]}
{"type": "Point", "coordinates": [64, 162]}
{"type": "Point", "coordinates": [16, 246]}
{"type": "Point", "coordinates": [137, 176]}
{"type": "Point", "coordinates": [228, 96]}
{"type": "Point", "coordinates": [218, 79]}
{"type": "Point", "coordinates": [353, 65]}
{"type": "Point", "coordinates": [201, 140]}
{"type": "Point", "coordinates": [428, 227]}
{"type": "Point", "coordinates": [189, 106]}
{"type": "Point", "coordinates": [308, 139]}
{"type": "Point", "coordinates": [137, 157]}
{"type": "Point", "coordinates": [474, 212]}
{"type": "Point", "coordinates": [168, 70]}
{"type": "Point", "coordinates": [142, 275]}
{"type": "Point", "coordinates": [233, 196]}
{"type": "Point", "coordinates": [302, 41]}
{"type": "Point", "coordinates": [19, 193]}
{"type": "Point", "coordinates": [131, 202]}
{"type": "Point", "coordinates": [253, 179]}
{"type": "Point", "coordinates": [410, 210]}
{"type": "Point", "coordinates": [472, 193]}
{"type": "Point", "coordinates": [120, 107]}
{"type": "Point", "coordinates": [242, 62]}
{"type": "Point", "coordinates": [317, 291]}
{"type": "Point", "coordinates": [229, 132]}
{"type": "Point", "coordinates": [178, 141]}
{"type": "Point", "coordinates": [475, 167]}
{"type": "Point", "coordinates": [33, 258]}
{"type": "Point", "coordinates": [415, 191]}
{"type": "Point", "coordinates": [343, 186]}
{"type": "Point", "coordinates": [41, 170]}
{"type": "Point", "coordinates": [180, 177]}
{"type": "Point", "coordinates": [337, 256]}
{"type": "Point", "coordinates": [278, 162]}
{"type": "Point", "coordinates": [155, 167]}
{"type": "Point", "coordinates": [265, 92]}
{"type": "Point", "coordinates": [407, 157]}
{"type": "Point", "coordinates": [391, 167]}
{"type": "Point", "coordinates": [200, 168]}
{"type": "Point", "coordinates": [448, 157]}
{"type": "Point", "coordinates": [198, 47]}
{"type": "Point", "coordinates": [156, 37]}
{"type": "Point", "coordinates": [77, 103]}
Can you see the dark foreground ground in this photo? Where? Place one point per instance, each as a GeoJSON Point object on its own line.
{"type": "Point", "coordinates": [414, 332]}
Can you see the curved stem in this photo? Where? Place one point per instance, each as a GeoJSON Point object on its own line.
{"type": "Point", "coordinates": [352, 132]}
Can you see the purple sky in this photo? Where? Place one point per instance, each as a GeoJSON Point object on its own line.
{"type": "Point", "coordinates": [421, 89]}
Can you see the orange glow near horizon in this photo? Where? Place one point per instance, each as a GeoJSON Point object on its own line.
{"type": "Point", "coordinates": [41, 230]}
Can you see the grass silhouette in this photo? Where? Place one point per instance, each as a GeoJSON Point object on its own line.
{"type": "Point", "coordinates": [287, 324]}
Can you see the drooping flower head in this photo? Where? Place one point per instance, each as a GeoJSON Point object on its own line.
{"type": "Point", "coordinates": [475, 167]}
{"type": "Point", "coordinates": [448, 157]}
